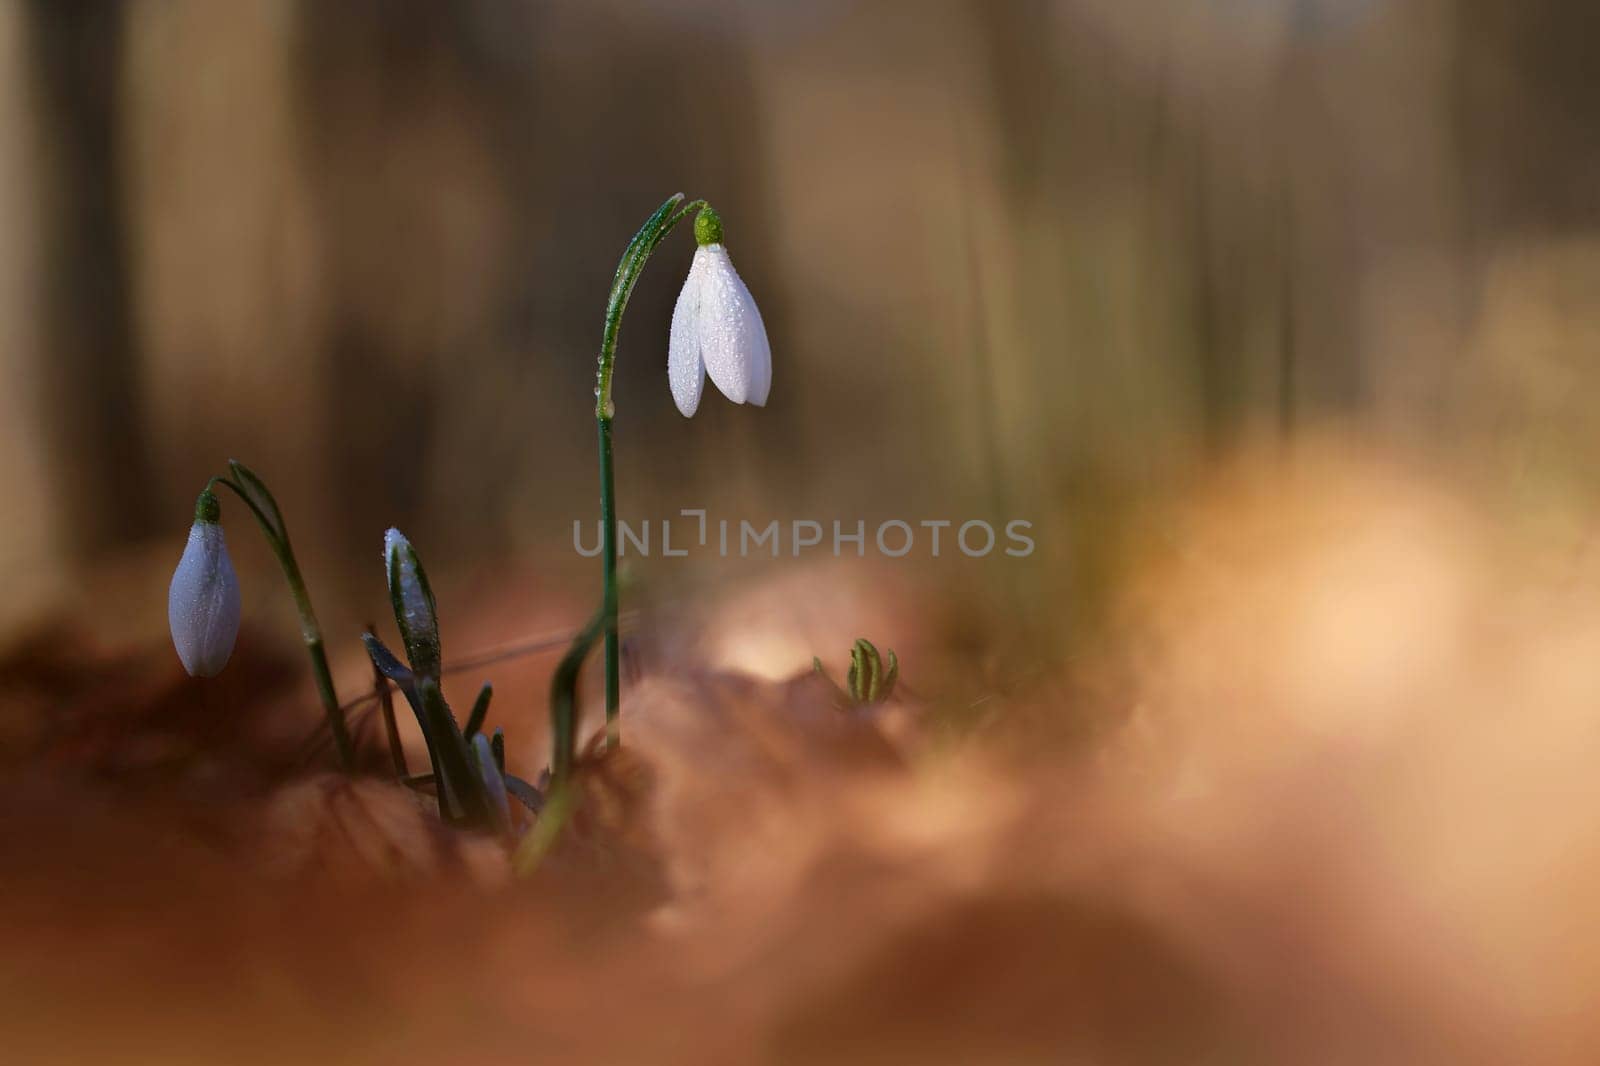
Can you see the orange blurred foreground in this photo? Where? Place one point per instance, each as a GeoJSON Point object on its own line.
{"type": "Point", "coordinates": [1337, 805]}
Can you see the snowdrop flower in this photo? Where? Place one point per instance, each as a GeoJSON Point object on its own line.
{"type": "Point", "coordinates": [716, 328]}
{"type": "Point", "coordinates": [413, 604]}
{"type": "Point", "coordinates": [203, 600]}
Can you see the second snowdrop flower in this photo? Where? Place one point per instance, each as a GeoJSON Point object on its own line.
{"type": "Point", "coordinates": [716, 328]}
{"type": "Point", "coordinates": [203, 600]}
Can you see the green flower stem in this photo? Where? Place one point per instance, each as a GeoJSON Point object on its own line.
{"type": "Point", "coordinates": [311, 633]}
{"type": "Point", "coordinates": [655, 229]}
{"type": "Point", "coordinates": [319, 670]}
{"type": "Point", "coordinates": [608, 554]}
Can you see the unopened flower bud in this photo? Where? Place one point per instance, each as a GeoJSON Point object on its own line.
{"type": "Point", "coordinates": [203, 601]}
{"type": "Point", "coordinates": [413, 604]}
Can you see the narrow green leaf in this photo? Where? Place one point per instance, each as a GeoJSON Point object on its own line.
{"type": "Point", "coordinates": [839, 694]}
{"type": "Point", "coordinates": [256, 491]}
{"type": "Point", "coordinates": [872, 669]}
{"type": "Point", "coordinates": [268, 530]}
{"type": "Point", "coordinates": [524, 793]}
{"type": "Point", "coordinates": [388, 664]}
{"type": "Point", "coordinates": [564, 699]}
{"type": "Point", "coordinates": [541, 839]}
{"type": "Point", "coordinates": [494, 786]}
{"type": "Point", "coordinates": [455, 760]}
{"type": "Point", "coordinates": [404, 680]}
{"type": "Point", "coordinates": [480, 711]}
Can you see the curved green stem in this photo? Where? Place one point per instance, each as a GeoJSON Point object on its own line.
{"type": "Point", "coordinates": [310, 632]}
{"type": "Point", "coordinates": [655, 229]}
{"type": "Point", "coordinates": [634, 257]}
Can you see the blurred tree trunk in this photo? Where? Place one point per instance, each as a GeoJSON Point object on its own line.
{"type": "Point", "coordinates": [88, 371]}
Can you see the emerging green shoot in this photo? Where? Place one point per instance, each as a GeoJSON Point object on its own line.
{"type": "Point", "coordinates": [869, 680]}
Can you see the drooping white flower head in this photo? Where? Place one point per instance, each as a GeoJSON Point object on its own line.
{"type": "Point", "coordinates": [203, 601]}
{"type": "Point", "coordinates": [716, 328]}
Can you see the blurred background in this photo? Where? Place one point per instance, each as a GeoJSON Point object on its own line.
{"type": "Point", "coordinates": [1041, 259]}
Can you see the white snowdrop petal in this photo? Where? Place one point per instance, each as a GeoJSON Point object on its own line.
{"type": "Point", "coordinates": [732, 336]}
{"type": "Point", "coordinates": [686, 372]}
{"type": "Point", "coordinates": [203, 605]}
{"type": "Point", "coordinates": [761, 355]}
